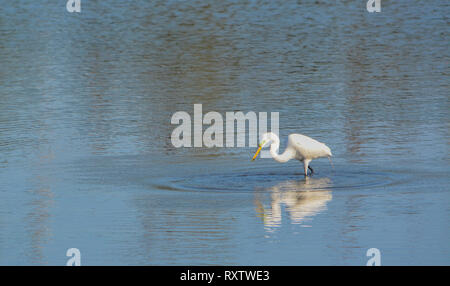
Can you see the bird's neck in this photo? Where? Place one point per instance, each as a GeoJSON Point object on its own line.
{"type": "Point", "coordinates": [284, 157]}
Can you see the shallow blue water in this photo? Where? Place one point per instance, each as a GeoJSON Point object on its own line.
{"type": "Point", "coordinates": [86, 159]}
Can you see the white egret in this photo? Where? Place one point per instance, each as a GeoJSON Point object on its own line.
{"type": "Point", "coordinates": [300, 147]}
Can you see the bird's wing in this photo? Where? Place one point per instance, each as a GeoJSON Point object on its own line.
{"type": "Point", "coordinates": [307, 147]}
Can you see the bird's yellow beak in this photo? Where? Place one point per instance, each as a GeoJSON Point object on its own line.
{"type": "Point", "coordinates": [257, 151]}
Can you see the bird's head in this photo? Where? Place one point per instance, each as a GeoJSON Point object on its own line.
{"type": "Point", "coordinates": [266, 140]}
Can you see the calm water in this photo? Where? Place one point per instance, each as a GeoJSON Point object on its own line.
{"type": "Point", "coordinates": [86, 159]}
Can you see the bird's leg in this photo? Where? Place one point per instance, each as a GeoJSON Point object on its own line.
{"type": "Point", "coordinates": [305, 164]}
{"type": "Point", "coordinates": [312, 171]}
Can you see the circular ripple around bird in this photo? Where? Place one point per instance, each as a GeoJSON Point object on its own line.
{"type": "Point", "coordinates": [261, 181]}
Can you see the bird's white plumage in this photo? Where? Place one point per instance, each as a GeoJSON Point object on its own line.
{"type": "Point", "coordinates": [308, 148]}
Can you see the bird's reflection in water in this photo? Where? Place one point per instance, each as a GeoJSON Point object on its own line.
{"type": "Point", "coordinates": [301, 199]}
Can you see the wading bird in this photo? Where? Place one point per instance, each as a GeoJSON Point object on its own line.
{"type": "Point", "coordinates": [300, 147]}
